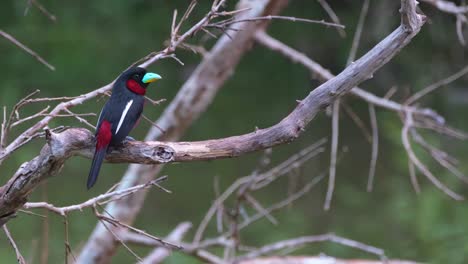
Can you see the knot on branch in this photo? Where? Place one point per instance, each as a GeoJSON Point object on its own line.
{"type": "Point", "coordinates": [163, 153]}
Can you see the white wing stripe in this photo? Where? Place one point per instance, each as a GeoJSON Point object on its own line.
{"type": "Point", "coordinates": [99, 118]}
{"type": "Point", "coordinates": [124, 114]}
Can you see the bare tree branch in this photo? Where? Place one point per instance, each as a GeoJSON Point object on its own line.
{"type": "Point", "coordinates": [160, 253]}
{"type": "Point", "coordinates": [375, 147]}
{"type": "Point", "coordinates": [325, 75]}
{"type": "Point", "coordinates": [168, 52]}
{"type": "Point", "coordinates": [459, 11]}
{"type": "Point", "coordinates": [296, 242]}
{"type": "Point", "coordinates": [409, 123]}
{"type": "Point", "coordinates": [447, 6]}
{"type": "Point", "coordinates": [228, 22]}
{"type": "Point", "coordinates": [436, 121]}
{"type": "Point", "coordinates": [100, 199]}
{"type": "Point", "coordinates": [333, 154]}
{"type": "Point", "coordinates": [333, 16]}
{"type": "Point", "coordinates": [358, 33]}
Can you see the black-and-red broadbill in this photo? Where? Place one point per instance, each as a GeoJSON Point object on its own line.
{"type": "Point", "coordinates": [120, 114]}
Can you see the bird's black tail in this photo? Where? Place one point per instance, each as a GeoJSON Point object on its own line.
{"type": "Point", "coordinates": [98, 158]}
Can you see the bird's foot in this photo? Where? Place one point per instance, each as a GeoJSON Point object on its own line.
{"type": "Point", "coordinates": [127, 139]}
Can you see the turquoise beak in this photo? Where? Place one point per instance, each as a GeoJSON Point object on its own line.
{"type": "Point", "coordinates": [151, 77]}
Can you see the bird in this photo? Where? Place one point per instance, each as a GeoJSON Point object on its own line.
{"type": "Point", "coordinates": [120, 114]}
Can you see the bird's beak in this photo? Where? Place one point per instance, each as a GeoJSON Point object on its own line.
{"type": "Point", "coordinates": [151, 77]}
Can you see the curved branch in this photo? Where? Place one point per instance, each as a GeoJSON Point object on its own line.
{"type": "Point", "coordinates": [71, 142]}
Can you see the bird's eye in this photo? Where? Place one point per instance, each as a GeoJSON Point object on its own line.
{"type": "Point", "coordinates": [136, 76]}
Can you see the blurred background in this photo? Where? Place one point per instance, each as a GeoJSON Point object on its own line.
{"type": "Point", "coordinates": [93, 41]}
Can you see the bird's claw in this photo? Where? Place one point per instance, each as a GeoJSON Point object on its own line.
{"type": "Point", "coordinates": [128, 138]}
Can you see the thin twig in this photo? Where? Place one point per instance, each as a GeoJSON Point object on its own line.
{"type": "Point", "coordinates": [116, 237]}
{"type": "Point", "coordinates": [68, 248]}
{"type": "Point", "coordinates": [3, 132]}
{"type": "Point", "coordinates": [421, 167]}
{"type": "Point", "coordinates": [27, 135]}
{"type": "Point", "coordinates": [225, 23]}
{"type": "Point", "coordinates": [333, 16]}
{"type": "Point", "coordinates": [262, 180]}
{"type": "Point", "coordinates": [333, 154]}
{"type": "Point", "coordinates": [358, 33]}
{"type": "Point", "coordinates": [413, 177]}
{"type": "Point", "coordinates": [415, 97]}
{"type": "Point", "coordinates": [79, 117]}
{"type": "Point", "coordinates": [375, 147]}
{"type": "Point", "coordinates": [153, 123]}
{"type": "Point", "coordinates": [440, 156]}
{"type": "Point", "coordinates": [28, 50]}
{"type": "Point", "coordinates": [44, 11]}
{"type": "Point", "coordinates": [358, 121]}
{"type": "Point", "coordinates": [159, 254]}
{"type": "Point", "coordinates": [325, 75]}
{"type": "Point", "coordinates": [390, 92]}
{"type": "Point", "coordinates": [19, 257]}
{"type": "Point", "coordinates": [115, 222]}
{"type": "Point", "coordinates": [295, 242]}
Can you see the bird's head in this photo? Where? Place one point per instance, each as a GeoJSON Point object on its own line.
{"type": "Point", "coordinates": [136, 79]}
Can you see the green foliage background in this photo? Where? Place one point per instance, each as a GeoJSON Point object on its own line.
{"type": "Point", "coordinates": [93, 41]}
